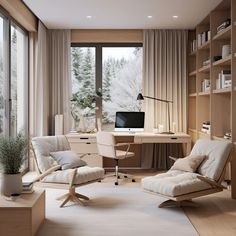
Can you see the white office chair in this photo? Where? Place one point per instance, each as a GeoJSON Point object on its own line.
{"type": "Point", "coordinates": [107, 147]}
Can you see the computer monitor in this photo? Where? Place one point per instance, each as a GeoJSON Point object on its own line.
{"type": "Point", "coordinates": [129, 121]}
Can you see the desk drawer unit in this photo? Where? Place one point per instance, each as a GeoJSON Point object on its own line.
{"type": "Point", "coordinates": [86, 144]}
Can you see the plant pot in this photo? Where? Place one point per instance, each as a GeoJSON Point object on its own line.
{"type": "Point", "coordinates": [11, 184]}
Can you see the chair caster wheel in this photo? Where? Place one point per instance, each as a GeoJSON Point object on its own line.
{"type": "Point", "coordinates": [126, 176]}
{"type": "Point", "coordinates": [118, 177]}
{"type": "Point", "coordinates": [116, 183]}
{"type": "Point", "coordinates": [133, 180]}
{"type": "Point", "coordinates": [99, 181]}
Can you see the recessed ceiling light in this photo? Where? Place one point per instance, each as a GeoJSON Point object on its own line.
{"type": "Point", "coordinates": [88, 17]}
{"type": "Point", "coordinates": [175, 17]}
{"type": "Point", "coordinates": [149, 17]}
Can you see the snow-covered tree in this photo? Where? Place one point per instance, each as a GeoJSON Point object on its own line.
{"type": "Point", "coordinates": [76, 59]}
{"type": "Point", "coordinates": [125, 87]}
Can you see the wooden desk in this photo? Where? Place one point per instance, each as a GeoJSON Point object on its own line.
{"type": "Point", "coordinates": [86, 143]}
{"type": "Point", "coordinates": [23, 216]}
{"type": "Point", "coordinates": [164, 138]}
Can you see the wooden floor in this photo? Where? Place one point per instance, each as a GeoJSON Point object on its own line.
{"type": "Point", "coordinates": [214, 215]}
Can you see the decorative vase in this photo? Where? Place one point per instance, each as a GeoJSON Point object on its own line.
{"type": "Point", "coordinates": [82, 124]}
{"type": "Point", "coordinates": [73, 128]}
{"type": "Point", "coordinates": [11, 184]}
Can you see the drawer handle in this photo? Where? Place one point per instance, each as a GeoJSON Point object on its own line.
{"type": "Point", "coordinates": [88, 143]}
{"type": "Point", "coordinates": [84, 138]}
{"type": "Point", "coordinates": [174, 138]}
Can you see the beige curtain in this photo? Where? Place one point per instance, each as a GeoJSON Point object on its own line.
{"type": "Point", "coordinates": [60, 80]}
{"type": "Point", "coordinates": [165, 67]}
{"type": "Point", "coordinates": [39, 82]}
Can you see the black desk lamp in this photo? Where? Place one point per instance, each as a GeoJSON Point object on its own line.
{"type": "Point", "coordinates": [141, 97]}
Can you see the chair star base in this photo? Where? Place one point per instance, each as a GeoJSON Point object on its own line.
{"type": "Point", "coordinates": [72, 196]}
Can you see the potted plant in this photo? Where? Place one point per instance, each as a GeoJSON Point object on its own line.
{"type": "Point", "coordinates": [12, 156]}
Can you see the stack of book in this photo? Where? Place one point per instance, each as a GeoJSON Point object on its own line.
{"type": "Point", "coordinates": [206, 85]}
{"type": "Point", "coordinates": [227, 135]}
{"type": "Point", "coordinates": [206, 127]}
{"type": "Point", "coordinates": [224, 25]}
{"type": "Point", "coordinates": [203, 38]}
{"type": "Point", "coordinates": [224, 79]}
{"type": "Point", "coordinates": [27, 187]}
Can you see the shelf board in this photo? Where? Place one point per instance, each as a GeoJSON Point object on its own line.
{"type": "Point", "coordinates": [193, 53]}
{"type": "Point", "coordinates": [192, 94]}
{"type": "Point", "coordinates": [205, 135]}
{"type": "Point", "coordinates": [223, 90]}
{"type": "Point", "coordinates": [192, 130]}
{"type": "Point", "coordinates": [204, 69]}
{"type": "Point", "coordinates": [221, 138]}
{"type": "Point", "coordinates": [205, 46]}
{"type": "Point", "coordinates": [206, 93]}
{"type": "Point", "coordinates": [224, 34]}
{"type": "Point", "coordinates": [223, 62]}
{"type": "Point", "coordinates": [193, 73]}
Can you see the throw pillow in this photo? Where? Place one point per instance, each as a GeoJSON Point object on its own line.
{"type": "Point", "coordinates": [189, 163]}
{"type": "Point", "coordinates": [67, 159]}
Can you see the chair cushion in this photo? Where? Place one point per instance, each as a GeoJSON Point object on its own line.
{"type": "Point", "coordinates": [46, 144]}
{"type": "Point", "coordinates": [67, 159]}
{"type": "Point", "coordinates": [217, 153]}
{"type": "Point", "coordinates": [189, 163]}
{"type": "Point", "coordinates": [84, 174]}
{"type": "Point", "coordinates": [174, 183]}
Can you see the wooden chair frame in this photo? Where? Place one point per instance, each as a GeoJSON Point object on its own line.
{"type": "Point", "coordinates": [186, 199]}
{"type": "Point", "coordinates": [71, 195]}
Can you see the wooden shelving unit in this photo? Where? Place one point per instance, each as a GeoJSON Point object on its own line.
{"type": "Point", "coordinates": [205, 46]}
{"type": "Point", "coordinates": [223, 90]}
{"type": "Point", "coordinates": [218, 106]}
{"type": "Point", "coordinates": [224, 34]}
{"type": "Point", "coordinates": [193, 73]}
{"type": "Point", "coordinates": [207, 93]}
{"type": "Point", "coordinates": [223, 62]}
{"type": "Point", "coordinates": [204, 69]}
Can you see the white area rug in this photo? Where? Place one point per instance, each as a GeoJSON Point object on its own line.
{"type": "Point", "coordinates": [123, 210]}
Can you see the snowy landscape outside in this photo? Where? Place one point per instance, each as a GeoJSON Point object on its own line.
{"type": "Point", "coordinates": [121, 82]}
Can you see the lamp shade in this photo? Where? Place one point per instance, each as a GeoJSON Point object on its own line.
{"type": "Point", "coordinates": [140, 97]}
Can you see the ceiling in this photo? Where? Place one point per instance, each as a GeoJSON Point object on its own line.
{"type": "Point", "coordinates": [121, 14]}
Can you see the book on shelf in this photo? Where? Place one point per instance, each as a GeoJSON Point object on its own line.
{"type": "Point", "coordinates": [206, 85]}
{"type": "Point", "coordinates": [224, 79]}
{"type": "Point", "coordinates": [203, 38]}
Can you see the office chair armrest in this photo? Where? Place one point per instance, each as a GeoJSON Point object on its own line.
{"type": "Point", "coordinates": [47, 172]}
{"type": "Point", "coordinates": [173, 158]}
{"type": "Point", "coordinates": [123, 144]}
{"type": "Point", "coordinates": [212, 182]}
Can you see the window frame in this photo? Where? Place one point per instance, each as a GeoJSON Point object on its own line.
{"type": "Point", "coordinates": [98, 66]}
{"type": "Point", "coordinates": [9, 20]}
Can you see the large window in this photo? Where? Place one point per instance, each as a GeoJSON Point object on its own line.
{"type": "Point", "coordinates": [105, 78]}
{"type": "Point", "coordinates": [19, 78]}
{"type": "Point", "coordinates": [13, 78]}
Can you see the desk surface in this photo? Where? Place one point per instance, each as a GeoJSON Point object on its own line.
{"type": "Point", "coordinates": [136, 134]}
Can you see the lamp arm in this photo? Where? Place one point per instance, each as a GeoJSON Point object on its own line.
{"type": "Point", "coordinates": [158, 99]}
